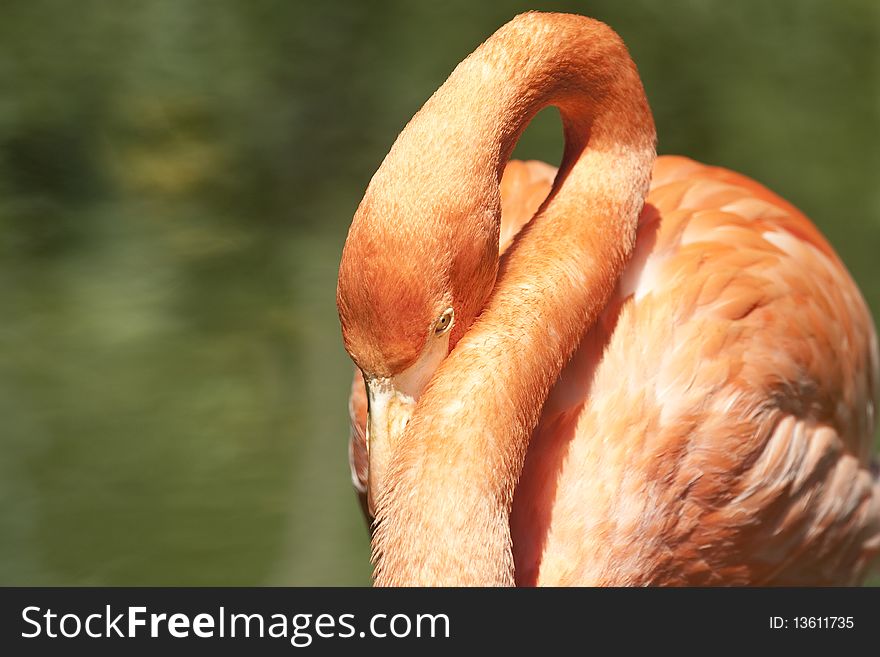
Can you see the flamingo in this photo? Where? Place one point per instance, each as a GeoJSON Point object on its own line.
{"type": "Point", "coordinates": [630, 371]}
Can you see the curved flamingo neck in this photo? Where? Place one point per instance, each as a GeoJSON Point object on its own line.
{"type": "Point", "coordinates": [444, 514]}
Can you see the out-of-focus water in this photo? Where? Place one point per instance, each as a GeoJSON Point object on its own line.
{"type": "Point", "coordinates": [176, 181]}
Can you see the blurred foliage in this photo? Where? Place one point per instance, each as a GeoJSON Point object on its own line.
{"type": "Point", "coordinates": [176, 181]}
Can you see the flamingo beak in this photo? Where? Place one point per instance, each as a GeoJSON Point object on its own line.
{"type": "Point", "coordinates": [390, 404]}
{"type": "Point", "coordinates": [388, 412]}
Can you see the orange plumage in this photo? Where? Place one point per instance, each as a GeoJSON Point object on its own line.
{"type": "Point", "coordinates": [676, 387]}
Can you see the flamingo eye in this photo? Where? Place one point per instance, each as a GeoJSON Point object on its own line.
{"type": "Point", "coordinates": [444, 322]}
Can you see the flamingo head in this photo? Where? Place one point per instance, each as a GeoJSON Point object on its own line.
{"type": "Point", "coordinates": [417, 269]}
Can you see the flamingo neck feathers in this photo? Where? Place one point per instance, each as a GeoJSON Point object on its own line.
{"type": "Point", "coordinates": [443, 518]}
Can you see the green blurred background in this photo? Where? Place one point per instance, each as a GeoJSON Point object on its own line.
{"type": "Point", "coordinates": [176, 182]}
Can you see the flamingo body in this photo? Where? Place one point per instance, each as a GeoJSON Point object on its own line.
{"type": "Point", "coordinates": [713, 424]}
